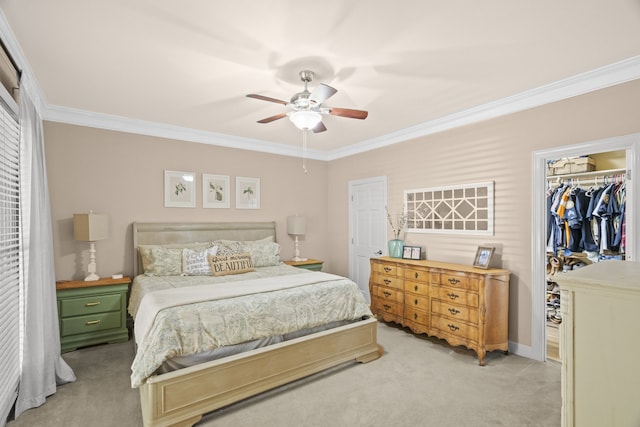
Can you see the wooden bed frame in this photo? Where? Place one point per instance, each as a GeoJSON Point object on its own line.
{"type": "Point", "coordinates": [181, 397]}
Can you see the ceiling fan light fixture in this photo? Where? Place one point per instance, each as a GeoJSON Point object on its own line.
{"type": "Point", "coordinates": [305, 119]}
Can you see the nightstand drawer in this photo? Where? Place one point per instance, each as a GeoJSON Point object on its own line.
{"type": "Point", "coordinates": [89, 305]}
{"type": "Point", "coordinates": [91, 323]}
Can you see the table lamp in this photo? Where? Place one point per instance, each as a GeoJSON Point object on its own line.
{"type": "Point", "coordinates": [91, 227]}
{"type": "Point", "coordinates": [296, 228]}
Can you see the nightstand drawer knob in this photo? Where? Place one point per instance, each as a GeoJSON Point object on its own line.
{"type": "Point", "coordinates": [92, 322]}
{"type": "Point", "coordinates": [92, 304]}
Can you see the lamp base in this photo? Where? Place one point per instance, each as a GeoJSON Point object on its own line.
{"type": "Point", "coordinates": [91, 277]}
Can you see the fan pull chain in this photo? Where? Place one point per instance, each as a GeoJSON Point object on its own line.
{"type": "Point", "coordinates": [304, 150]}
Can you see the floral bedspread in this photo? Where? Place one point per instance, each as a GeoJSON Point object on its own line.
{"type": "Point", "coordinates": [202, 326]}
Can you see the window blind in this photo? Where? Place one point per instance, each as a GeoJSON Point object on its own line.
{"type": "Point", "coordinates": [9, 256]}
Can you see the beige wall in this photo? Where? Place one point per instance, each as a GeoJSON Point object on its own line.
{"type": "Point", "coordinates": [122, 175]}
{"type": "Point", "coordinates": [498, 150]}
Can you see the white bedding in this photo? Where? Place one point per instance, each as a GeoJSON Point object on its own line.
{"type": "Point", "coordinates": [240, 311]}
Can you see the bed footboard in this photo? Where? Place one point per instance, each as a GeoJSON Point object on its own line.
{"type": "Point", "coordinates": [180, 398]}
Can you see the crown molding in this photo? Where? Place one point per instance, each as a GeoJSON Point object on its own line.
{"type": "Point", "coordinates": [600, 78]}
{"type": "Point", "coordinates": [73, 116]}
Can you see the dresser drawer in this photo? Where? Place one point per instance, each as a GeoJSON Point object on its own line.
{"type": "Point", "coordinates": [389, 281]}
{"type": "Point", "coordinates": [91, 323]}
{"type": "Point", "coordinates": [454, 311]}
{"type": "Point", "coordinates": [417, 275]}
{"type": "Point", "coordinates": [417, 302]}
{"type": "Point", "coordinates": [455, 328]}
{"type": "Point", "coordinates": [391, 270]}
{"type": "Point", "coordinates": [455, 296]}
{"type": "Point", "coordinates": [459, 281]}
{"type": "Point", "coordinates": [416, 316]}
{"type": "Point", "coordinates": [89, 305]}
{"type": "Point", "coordinates": [388, 294]}
{"type": "Point", "coordinates": [388, 307]}
{"type": "Point", "coordinates": [416, 288]}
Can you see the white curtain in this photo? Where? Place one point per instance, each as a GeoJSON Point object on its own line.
{"type": "Point", "coordinates": [42, 367]}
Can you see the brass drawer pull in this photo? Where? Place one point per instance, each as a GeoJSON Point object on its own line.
{"type": "Point", "coordinates": [415, 316]}
{"type": "Point", "coordinates": [417, 274]}
{"type": "Point", "coordinates": [387, 281]}
{"type": "Point", "coordinates": [454, 281]}
{"type": "Point", "coordinates": [92, 304]}
{"type": "Point", "coordinates": [92, 322]}
{"type": "Point", "coordinates": [387, 294]}
{"type": "Point", "coordinates": [452, 327]}
{"type": "Point", "coordinates": [387, 269]}
{"type": "Point", "coordinates": [452, 295]}
{"type": "Point", "coordinates": [454, 311]}
{"type": "Point", "coordinates": [386, 307]}
{"type": "Point", "coordinates": [415, 301]}
{"type": "Point", "coordinates": [415, 288]}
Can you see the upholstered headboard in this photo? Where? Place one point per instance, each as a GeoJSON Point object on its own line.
{"type": "Point", "coordinates": [165, 233]}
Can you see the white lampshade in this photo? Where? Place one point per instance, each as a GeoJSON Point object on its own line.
{"type": "Point", "coordinates": [305, 119]}
{"type": "Point", "coordinates": [296, 225]}
{"type": "Point", "coordinates": [90, 227]}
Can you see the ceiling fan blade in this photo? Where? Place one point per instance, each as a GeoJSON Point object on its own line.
{"type": "Point", "coordinates": [320, 127]}
{"type": "Point", "coordinates": [346, 112]}
{"type": "Point", "coordinates": [321, 93]}
{"type": "Point", "coordinates": [266, 98]}
{"type": "Point", "coordinates": [272, 118]}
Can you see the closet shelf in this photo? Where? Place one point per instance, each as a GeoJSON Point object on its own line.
{"type": "Point", "coordinates": [592, 174]}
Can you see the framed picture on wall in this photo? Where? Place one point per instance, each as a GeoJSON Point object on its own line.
{"type": "Point", "coordinates": [247, 193]}
{"type": "Point", "coordinates": [179, 189]}
{"type": "Point", "coordinates": [215, 191]}
{"type": "Point", "coordinates": [483, 256]}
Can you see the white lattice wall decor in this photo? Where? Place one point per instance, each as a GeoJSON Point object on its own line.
{"type": "Point", "coordinates": [455, 209]}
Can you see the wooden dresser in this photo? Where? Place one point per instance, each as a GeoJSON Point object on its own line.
{"type": "Point", "coordinates": [599, 344]}
{"type": "Point", "coordinates": [464, 305]}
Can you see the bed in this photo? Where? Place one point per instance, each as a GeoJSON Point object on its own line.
{"type": "Point", "coordinates": [179, 394]}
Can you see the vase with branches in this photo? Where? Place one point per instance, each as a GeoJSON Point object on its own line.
{"type": "Point", "coordinates": [397, 226]}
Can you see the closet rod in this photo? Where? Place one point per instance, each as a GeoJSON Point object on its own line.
{"type": "Point", "coordinates": [593, 174]}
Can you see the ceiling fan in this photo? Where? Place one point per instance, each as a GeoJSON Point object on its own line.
{"type": "Point", "coordinates": [305, 108]}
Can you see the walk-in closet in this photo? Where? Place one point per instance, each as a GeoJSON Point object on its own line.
{"type": "Point", "coordinates": [586, 207]}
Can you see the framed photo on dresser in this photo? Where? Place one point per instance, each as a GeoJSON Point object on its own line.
{"type": "Point", "coordinates": [483, 256]}
{"type": "Point", "coordinates": [411, 252]}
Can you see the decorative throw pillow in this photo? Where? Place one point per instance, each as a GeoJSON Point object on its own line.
{"type": "Point", "coordinates": [165, 260]}
{"type": "Point", "coordinates": [196, 262]}
{"type": "Point", "coordinates": [263, 253]}
{"type": "Point", "coordinates": [228, 247]}
{"type": "Point", "coordinates": [222, 265]}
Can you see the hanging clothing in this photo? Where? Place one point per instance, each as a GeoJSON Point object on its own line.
{"type": "Point", "coordinates": [586, 220]}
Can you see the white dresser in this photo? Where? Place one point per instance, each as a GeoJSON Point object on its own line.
{"type": "Point", "coordinates": [600, 344]}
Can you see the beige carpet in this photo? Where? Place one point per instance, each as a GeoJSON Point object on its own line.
{"type": "Point", "coordinates": [419, 381]}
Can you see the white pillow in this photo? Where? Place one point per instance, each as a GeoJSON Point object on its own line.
{"type": "Point", "coordinates": [196, 262]}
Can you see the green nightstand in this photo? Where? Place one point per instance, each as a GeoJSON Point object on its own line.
{"type": "Point", "coordinates": [310, 264]}
{"type": "Point", "coordinates": [92, 312]}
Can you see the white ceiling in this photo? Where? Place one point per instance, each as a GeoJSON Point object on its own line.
{"type": "Point", "coordinates": [182, 69]}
